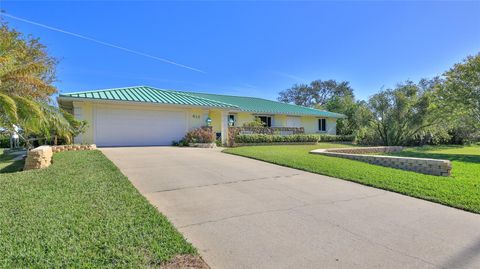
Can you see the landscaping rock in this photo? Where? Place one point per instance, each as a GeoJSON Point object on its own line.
{"type": "Point", "coordinates": [38, 158]}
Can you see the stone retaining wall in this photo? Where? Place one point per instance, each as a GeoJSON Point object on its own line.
{"type": "Point", "coordinates": [41, 157]}
{"type": "Point", "coordinates": [73, 147]}
{"type": "Point", "coordinates": [420, 165]}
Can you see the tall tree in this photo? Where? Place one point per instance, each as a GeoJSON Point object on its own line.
{"type": "Point", "coordinates": [460, 91]}
{"type": "Point", "coordinates": [26, 74]}
{"type": "Point", "coordinates": [26, 69]}
{"type": "Point", "coordinates": [357, 112]}
{"type": "Point", "coordinates": [315, 94]}
{"type": "Point", "coordinates": [402, 114]}
{"type": "Point", "coordinates": [333, 96]}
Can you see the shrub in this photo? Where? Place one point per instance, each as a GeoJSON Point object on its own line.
{"type": "Point", "coordinates": [200, 135]}
{"type": "Point", "coordinates": [4, 142]}
{"type": "Point", "coordinates": [256, 123]}
{"type": "Point", "coordinates": [367, 136]}
{"type": "Point", "coordinates": [335, 138]}
{"type": "Point", "coordinates": [265, 138]}
{"type": "Point", "coordinates": [297, 138]}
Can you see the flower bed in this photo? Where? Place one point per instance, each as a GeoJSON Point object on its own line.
{"type": "Point", "coordinates": [202, 137]}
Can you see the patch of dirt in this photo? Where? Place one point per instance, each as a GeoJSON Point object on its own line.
{"type": "Point", "coordinates": [186, 262]}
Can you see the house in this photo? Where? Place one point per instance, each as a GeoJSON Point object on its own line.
{"type": "Point", "coordinates": [142, 115]}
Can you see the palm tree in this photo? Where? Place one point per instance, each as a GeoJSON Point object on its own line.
{"type": "Point", "coordinates": [25, 90]}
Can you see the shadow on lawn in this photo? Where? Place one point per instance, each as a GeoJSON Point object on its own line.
{"type": "Point", "coordinates": [7, 165]}
{"type": "Point", "coordinates": [15, 166]}
{"type": "Point", "coordinates": [451, 157]}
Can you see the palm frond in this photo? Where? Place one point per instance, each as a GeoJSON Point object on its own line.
{"type": "Point", "coordinates": [30, 115]}
{"type": "Point", "coordinates": [8, 108]}
{"type": "Point", "coordinates": [57, 123]}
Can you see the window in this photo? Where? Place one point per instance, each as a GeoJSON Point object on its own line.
{"type": "Point", "coordinates": [231, 120]}
{"type": "Point", "coordinates": [322, 125]}
{"type": "Point", "coordinates": [267, 121]}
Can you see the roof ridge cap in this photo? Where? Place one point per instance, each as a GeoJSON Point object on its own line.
{"type": "Point", "coordinates": [104, 90]}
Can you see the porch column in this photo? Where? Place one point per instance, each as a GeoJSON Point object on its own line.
{"type": "Point", "coordinates": [224, 127]}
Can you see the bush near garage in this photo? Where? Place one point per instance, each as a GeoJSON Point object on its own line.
{"type": "Point", "coordinates": [200, 135]}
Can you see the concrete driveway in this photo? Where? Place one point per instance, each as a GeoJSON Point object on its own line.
{"type": "Point", "coordinates": [242, 213]}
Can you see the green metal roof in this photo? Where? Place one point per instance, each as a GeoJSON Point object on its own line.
{"type": "Point", "coordinates": [146, 94]}
{"type": "Point", "coordinates": [259, 105]}
{"type": "Point", "coordinates": [239, 103]}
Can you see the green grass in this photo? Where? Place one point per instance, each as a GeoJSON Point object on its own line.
{"type": "Point", "coordinates": [7, 164]}
{"type": "Point", "coordinates": [461, 190]}
{"type": "Point", "coordinates": [81, 212]}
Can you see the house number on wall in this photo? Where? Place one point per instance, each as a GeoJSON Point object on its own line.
{"type": "Point", "coordinates": [195, 116]}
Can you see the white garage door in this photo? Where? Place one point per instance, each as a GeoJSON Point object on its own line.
{"type": "Point", "coordinates": [128, 127]}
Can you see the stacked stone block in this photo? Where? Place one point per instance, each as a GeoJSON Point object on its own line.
{"type": "Point", "coordinates": [38, 158]}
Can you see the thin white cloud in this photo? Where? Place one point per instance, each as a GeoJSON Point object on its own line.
{"type": "Point", "coordinates": [287, 75]}
{"type": "Point", "coordinates": [103, 43]}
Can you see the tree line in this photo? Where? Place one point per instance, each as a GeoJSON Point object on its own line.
{"type": "Point", "coordinates": [441, 110]}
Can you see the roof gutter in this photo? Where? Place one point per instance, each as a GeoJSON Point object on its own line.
{"type": "Point", "coordinates": [104, 101]}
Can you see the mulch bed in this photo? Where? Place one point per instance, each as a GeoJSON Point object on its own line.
{"type": "Point", "coordinates": [186, 262]}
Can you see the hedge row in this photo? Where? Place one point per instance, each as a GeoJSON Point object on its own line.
{"type": "Point", "coordinates": [265, 138]}
{"type": "Point", "coordinates": [335, 138]}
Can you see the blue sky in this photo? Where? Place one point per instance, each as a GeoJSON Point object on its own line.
{"type": "Point", "coordinates": [251, 48]}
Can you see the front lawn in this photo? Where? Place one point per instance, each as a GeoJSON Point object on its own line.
{"type": "Point", "coordinates": [461, 190]}
{"type": "Point", "coordinates": [81, 212]}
